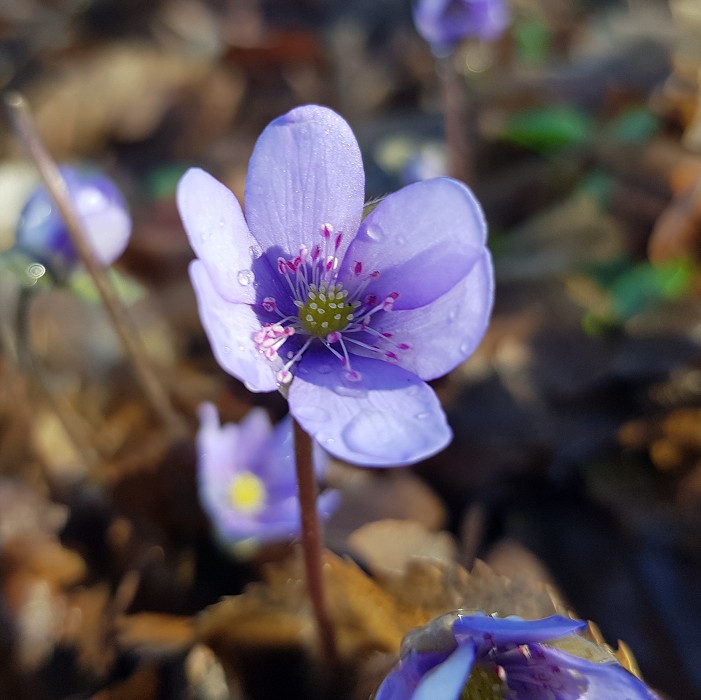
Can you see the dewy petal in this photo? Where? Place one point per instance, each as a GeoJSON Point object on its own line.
{"type": "Point", "coordinates": [500, 631]}
{"type": "Point", "coordinates": [305, 171]}
{"type": "Point", "coordinates": [389, 417]}
{"type": "Point", "coordinates": [422, 239]}
{"type": "Point", "coordinates": [447, 680]}
{"type": "Point", "coordinates": [230, 328]}
{"type": "Point", "coordinates": [443, 334]}
{"type": "Point", "coordinates": [219, 235]}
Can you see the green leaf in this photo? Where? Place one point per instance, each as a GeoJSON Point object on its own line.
{"type": "Point", "coordinates": [548, 129]}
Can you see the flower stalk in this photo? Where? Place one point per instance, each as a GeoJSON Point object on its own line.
{"type": "Point", "coordinates": [25, 129]}
{"type": "Point", "coordinates": [312, 540]}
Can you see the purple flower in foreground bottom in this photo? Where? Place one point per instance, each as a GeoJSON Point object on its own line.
{"type": "Point", "coordinates": [246, 477]}
{"type": "Point", "coordinates": [476, 657]}
{"type": "Point", "coordinates": [360, 314]}
{"type": "Point", "coordinates": [42, 233]}
{"type": "Point", "coordinates": [444, 23]}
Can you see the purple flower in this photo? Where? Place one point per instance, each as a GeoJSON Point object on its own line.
{"type": "Point", "coordinates": [443, 23]}
{"type": "Point", "coordinates": [475, 656]}
{"type": "Point", "coordinates": [42, 233]}
{"type": "Point", "coordinates": [246, 477]}
{"type": "Point", "coordinates": [361, 314]}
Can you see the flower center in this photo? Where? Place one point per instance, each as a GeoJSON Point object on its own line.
{"type": "Point", "coordinates": [247, 493]}
{"type": "Point", "coordinates": [484, 684]}
{"type": "Point", "coordinates": [340, 318]}
{"type": "Point", "coordinates": [327, 310]}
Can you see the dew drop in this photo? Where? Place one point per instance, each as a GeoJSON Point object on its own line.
{"type": "Point", "coordinates": [379, 434]}
{"type": "Point", "coordinates": [352, 392]}
{"type": "Point", "coordinates": [374, 234]}
{"type": "Point", "coordinates": [255, 251]}
{"type": "Point", "coordinates": [245, 277]}
{"type": "Point", "coordinates": [314, 414]}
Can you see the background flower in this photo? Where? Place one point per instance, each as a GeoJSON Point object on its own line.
{"type": "Point", "coordinates": [360, 314]}
{"type": "Point", "coordinates": [477, 657]}
{"type": "Point", "coordinates": [444, 23]}
{"type": "Point", "coordinates": [246, 477]}
{"type": "Point", "coordinates": [42, 233]}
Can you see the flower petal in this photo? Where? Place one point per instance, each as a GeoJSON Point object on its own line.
{"type": "Point", "coordinates": [219, 235]}
{"type": "Point", "coordinates": [497, 631]}
{"type": "Point", "coordinates": [566, 675]}
{"type": "Point", "coordinates": [305, 171]}
{"type": "Point", "coordinates": [422, 239]}
{"type": "Point", "coordinates": [389, 417]}
{"type": "Point", "coordinates": [447, 680]}
{"type": "Point", "coordinates": [446, 332]}
{"type": "Point", "coordinates": [230, 328]}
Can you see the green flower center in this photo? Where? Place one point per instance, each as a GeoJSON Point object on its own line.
{"type": "Point", "coordinates": [326, 310]}
{"type": "Point", "coordinates": [483, 684]}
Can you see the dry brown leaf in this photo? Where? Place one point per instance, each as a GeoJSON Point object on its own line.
{"type": "Point", "coordinates": [388, 545]}
{"type": "Point", "coordinates": [154, 634]}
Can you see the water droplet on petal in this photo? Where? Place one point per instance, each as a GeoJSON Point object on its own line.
{"type": "Point", "coordinates": [374, 234]}
{"type": "Point", "coordinates": [312, 413]}
{"type": "Point", "coordinates": [352, 392]}
{"type": "Point", "coordinates": [379, 434]}
{"type": "Point", "coordinates": [255, 251]}
{"type": "Point", "coordinates": [245, 277]}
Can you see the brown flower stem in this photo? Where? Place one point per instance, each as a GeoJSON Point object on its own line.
{"type": "Point", "coordinates": [311, 539]}
{"type": "Point", "coordinates": [458, 120]}
{"type": "Point", "coordinates": [25, 129]}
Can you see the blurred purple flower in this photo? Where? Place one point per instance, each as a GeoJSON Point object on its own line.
{"type": "Point", "coordinates": [361, 314]}
{"type": "Point", "coordinates": [470, 657]}
{"type": "Point", "coordinates": [443, 23]}
{"type": "Point", "coordinates": [246, 478]}
{"type": "Point", "coordinates": [42, 234]}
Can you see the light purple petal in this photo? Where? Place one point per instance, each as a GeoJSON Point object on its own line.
{"type": "Point", "coordinates": [219, 235]}
{"type": "Point", "coordinates": [500, 631]}
{"type": "Point", "coordinates": [387, 418]}
{"type": "Point", "coordinates": [230, 328]}
{"type": "Point", "coordinates": [305, 171]}
{"type": "Point", "coordinates": [422, 240]}
{"type": "Point", "coordinates": [447, 680]}
{"type": "Point", "coordinates": [569, 676]}
{"type": "Point", "coordinates": [446, 332]}
{"type": "Point", "coordinates": [255, 435]}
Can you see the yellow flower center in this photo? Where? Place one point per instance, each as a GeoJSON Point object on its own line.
{"type": "Point", "coordinates": [247, 493]}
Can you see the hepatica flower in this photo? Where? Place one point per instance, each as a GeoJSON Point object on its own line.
{"type": "Point", "coordinates": [476, 657]}
{"type": "Point", "coordinates": [443, 23]}
{"type": "Point", "coordinates": [349, 317]}
{"type": "Point", "coordinates": [42, 234]}
{"type": "Point", "coordinates": [246, 478]}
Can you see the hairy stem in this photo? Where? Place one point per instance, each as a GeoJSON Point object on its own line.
{"type": "Point", "coordinates": [24, 127]}
{"type": "Point", "coordinates": [311, 539]}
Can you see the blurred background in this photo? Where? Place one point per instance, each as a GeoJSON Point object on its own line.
{"type": "Point", "coordinates": [577, 450]}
